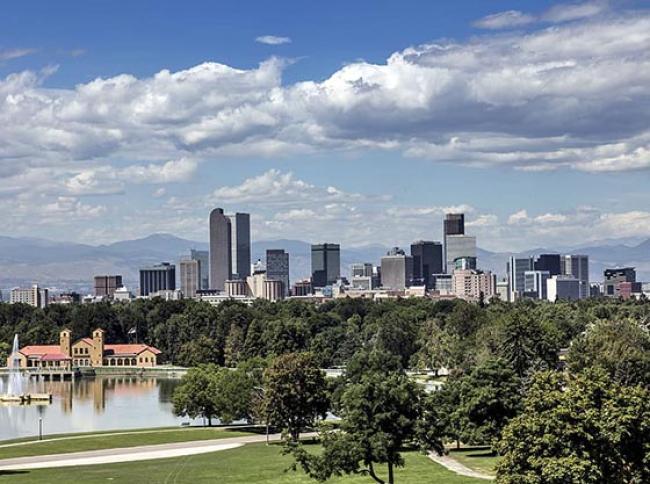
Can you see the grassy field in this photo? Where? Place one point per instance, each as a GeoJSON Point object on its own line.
{"type": "Point", "coordinates": [481, 460]}
{"type": "Point", "coordinates": [252, 463]}
{"type": "Point", "coordinates": [82, 442]}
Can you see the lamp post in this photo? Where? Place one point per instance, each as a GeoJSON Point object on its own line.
{"type": "Point", "coordinates": [40, 428]}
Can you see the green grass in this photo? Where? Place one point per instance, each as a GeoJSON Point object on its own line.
{"type": "Point", "coordinates": [478, 459]}
{"type": "Point", "coordinates": [253, 463]}
{"type": "Point", "coordinates": [83, 442]}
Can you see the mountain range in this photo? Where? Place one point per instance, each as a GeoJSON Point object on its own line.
{"type": "Point", "coordinates": [71, 266]}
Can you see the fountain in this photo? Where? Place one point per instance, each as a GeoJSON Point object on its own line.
{"type": "Point", "coordinates": [15, 393]}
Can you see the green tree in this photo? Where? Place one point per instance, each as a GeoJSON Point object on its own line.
{"type": "Point", "coordinates": [381, 412]}
{"type": "Point", "coordinates": [295, 393]}
{"type": "Point", "coordinates": [582, 429]}
{"type": "Point", "coordinates": [489, 397]}
{"type": "Point", "coordinates": [195, 396]}
{"type": "Point", "coordinates": [622, 348]}
{"type": "Point", "coordinates": [234, 393]}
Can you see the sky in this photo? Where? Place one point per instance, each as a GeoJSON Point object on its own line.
{"type": "Point", "coordinates": [352, 122]}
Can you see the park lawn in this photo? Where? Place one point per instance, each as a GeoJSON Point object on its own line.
{"type": "Point", "coordinates": [251, 463]}
{"type": "Point", "coordinates": [83, 442]}
{"type": "Point", "coordinates": [478, 459]}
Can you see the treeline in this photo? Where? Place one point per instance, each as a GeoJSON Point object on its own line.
{"type": "Point", "coordinates": [421, 333]}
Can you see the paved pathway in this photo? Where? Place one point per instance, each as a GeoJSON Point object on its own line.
{"type": "Point", "coordinates": [130, 454]}
{"type": "Point", "coordinates": [455, 466]}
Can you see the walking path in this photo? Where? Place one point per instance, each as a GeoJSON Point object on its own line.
{"type": "Point", "coordinates": [455, 466]}
{"type": "Point", "coordinates": [130, 454]}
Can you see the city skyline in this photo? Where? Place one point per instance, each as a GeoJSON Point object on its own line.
{"type": "Point", "coordinates": [471, 108]}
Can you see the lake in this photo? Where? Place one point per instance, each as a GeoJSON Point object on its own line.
{"type": "Point", "coordinates": [90, 404]}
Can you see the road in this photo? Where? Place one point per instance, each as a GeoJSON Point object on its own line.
{"type": "Point", "coordinates": [130, 454]}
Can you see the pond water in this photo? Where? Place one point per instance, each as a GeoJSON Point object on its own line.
{"type": "Point", "coordinates": [91, 404]}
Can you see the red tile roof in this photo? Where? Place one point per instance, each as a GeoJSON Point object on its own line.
{"type": "Point", "coordinates": [40, 350]}
{"type": "Point", "coordinates": [55, 357]}
{"type": "Point", "coordinates": [86, 340]}
{"type": "Point", "coordinates": [133, 349]}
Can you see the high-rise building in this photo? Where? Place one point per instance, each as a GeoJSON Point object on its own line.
{"type": "Point", "coordinates": [550, 263]}
{"type": "Point", "coordinates": [34, 296]}
{"type": "Point", "coordinates": [240, 245]}
{"type": "Point", "coordinates": [458, 247]}
{"type": "Point", "coordinates": [516, 269]}
{"type": "Point", "coordinates": [465, 263]}
{"type": "Point", "coordinates": [325, 264]}
{"type": "Point", "coordinates": [473, 284]}
{"type": "Point", "coordinates": [302, 288]}
{"type": "Point", "coordinates": [427, 260]}
{"type": "Point", "coordinates": [203, 258]}
{"type": "Point", "coordinates": [105, 286]}
{"type": "Point", "coordinates": [577, 266]}
{"type": "Point", "coordinates": [190, 275]}
{"type": "Point", "coordinates": [220, 249]}
{"type": "Point", "coordinates": [159, 277]}
{"type": "Point", "coordinates": [361, 269]}
{"type": "Point", "coordinates": [535, 284]}
{"type": "Point", "coordinates": [396, 270]}
{"type": "Point", "coordinates": [563, 287]}
{"type": "Point", "coordinates": [453, 224]}
{"type": "Point", "coordinates": [277, 268]}
{"type": "Point", "coordinates": [615, 277]}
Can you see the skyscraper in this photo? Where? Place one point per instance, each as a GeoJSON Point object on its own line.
{"type": "Point", "coordinates": [190, 275]}
{"type": "Point", "coordinates": [220, 249]}
{"type": "Point", "coordinates": [240, 245]}
{"type": "Point", "coordinates": [396, 270]}
{"type": "Point", "coordinates": [277, 267]}
{"type": "Point", "coordinates": [535, 284]}
{"type": "Point", "coordinates": [427, 260]}
{"type": "Point", "coordinates": [203, 258]}
{"type": "Point", "coordinates": [454, 224]}
{"type": "Point", "coordinates": [325, 264]}
{"type": "Point", "coordinates": [577, 266]}
{"type": "Point", "coordinates": [550, 263]}
{"type": "Point", "coordinates": [105, 286]}
{"type": "Point", "coordinates": [516, 269]}
{"type": "Point", "coordinates": [458, 247]}
{"type": "Point", "coordinates": [361, 269]}
{"type": "Point", "coordinates": [159, 277]}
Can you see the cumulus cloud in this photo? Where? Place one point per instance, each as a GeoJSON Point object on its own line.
{"type": "Point", "coordinates": [275, 186]}
{"type": "Point", "coordinates": [272, 40]}
{"type": "Point", "coordinates": [502, 20]}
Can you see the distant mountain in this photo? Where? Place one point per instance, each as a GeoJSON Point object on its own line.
{"type": "Point", "coordinates": [71, 266]}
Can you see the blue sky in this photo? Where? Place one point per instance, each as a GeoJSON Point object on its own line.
{"type": "Point", "coordinates": [357, 122]}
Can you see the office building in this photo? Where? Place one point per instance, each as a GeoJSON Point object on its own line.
{"type": "Point", "coordinates": [615, 283]}
{"type": "Point", "coordinates": [240, 245]}
{"type": "Point", "coordinates": [453, 224]}
{"type": "Point", "coordinates": [396, 270]}
{"type": "Point", "coordinates": [277, 268]}
{"type": "Point", "coordinates": [190, 275]}
{"type": "Point", "coordinates": [516, 268]}
{"type": "Point", "coordinates": [577, 265]}
{"type": "Point", "coordinates": [361, 269]}
{"type": "Point", "coordinates": [220, 249]}
{"type": "Point", "coordinates": [302, 288]}
{"type": "Point", "coordinates": [105, 286]}
{"type": "Point", "coordinates": [458, 247]}
{"type": "Point", "coordinates": [365, 283]}
{"type": "Point", "coordinates": [502, 289]}
{"type": "Point", "coordinates": [203, 258]}
{"type": "Point", "coordinates": [325, 264]}
{"type": "Point", "coordinates": [473, 284]}
{"type": "Point", "coordinates": [260, 287]}
{"type": "Point", "coordinates": [443, 284]}
{"type": "Point", "coordinates": [550, 263]}
{"type": "Point", "coordinates": [535, 284]}
{"type": "Point", "coordinates": [159, 277]}
{"type": "Point", "coordinates": [465, 263]}
{"type": "Point", "coordinates": [563, 288]}
{"type": "Point", "coordinates": [34, 296]}
{"type": "Point", "coordinates": [427, 260]}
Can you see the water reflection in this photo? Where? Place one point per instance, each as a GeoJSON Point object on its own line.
{"type": "Point", "coordinates": [87, 404]}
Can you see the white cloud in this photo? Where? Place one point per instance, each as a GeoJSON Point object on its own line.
{"type": "Point", "coordinates": [272, 40]}
{"type": "Point", "coordinates": [10, 54]}
{"type": "Point", "coordinates": [574, 11]}
{"type": "Point", "coordinates": [275, 186]}
{"type": "Point", "coordinates": [507, 19]}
